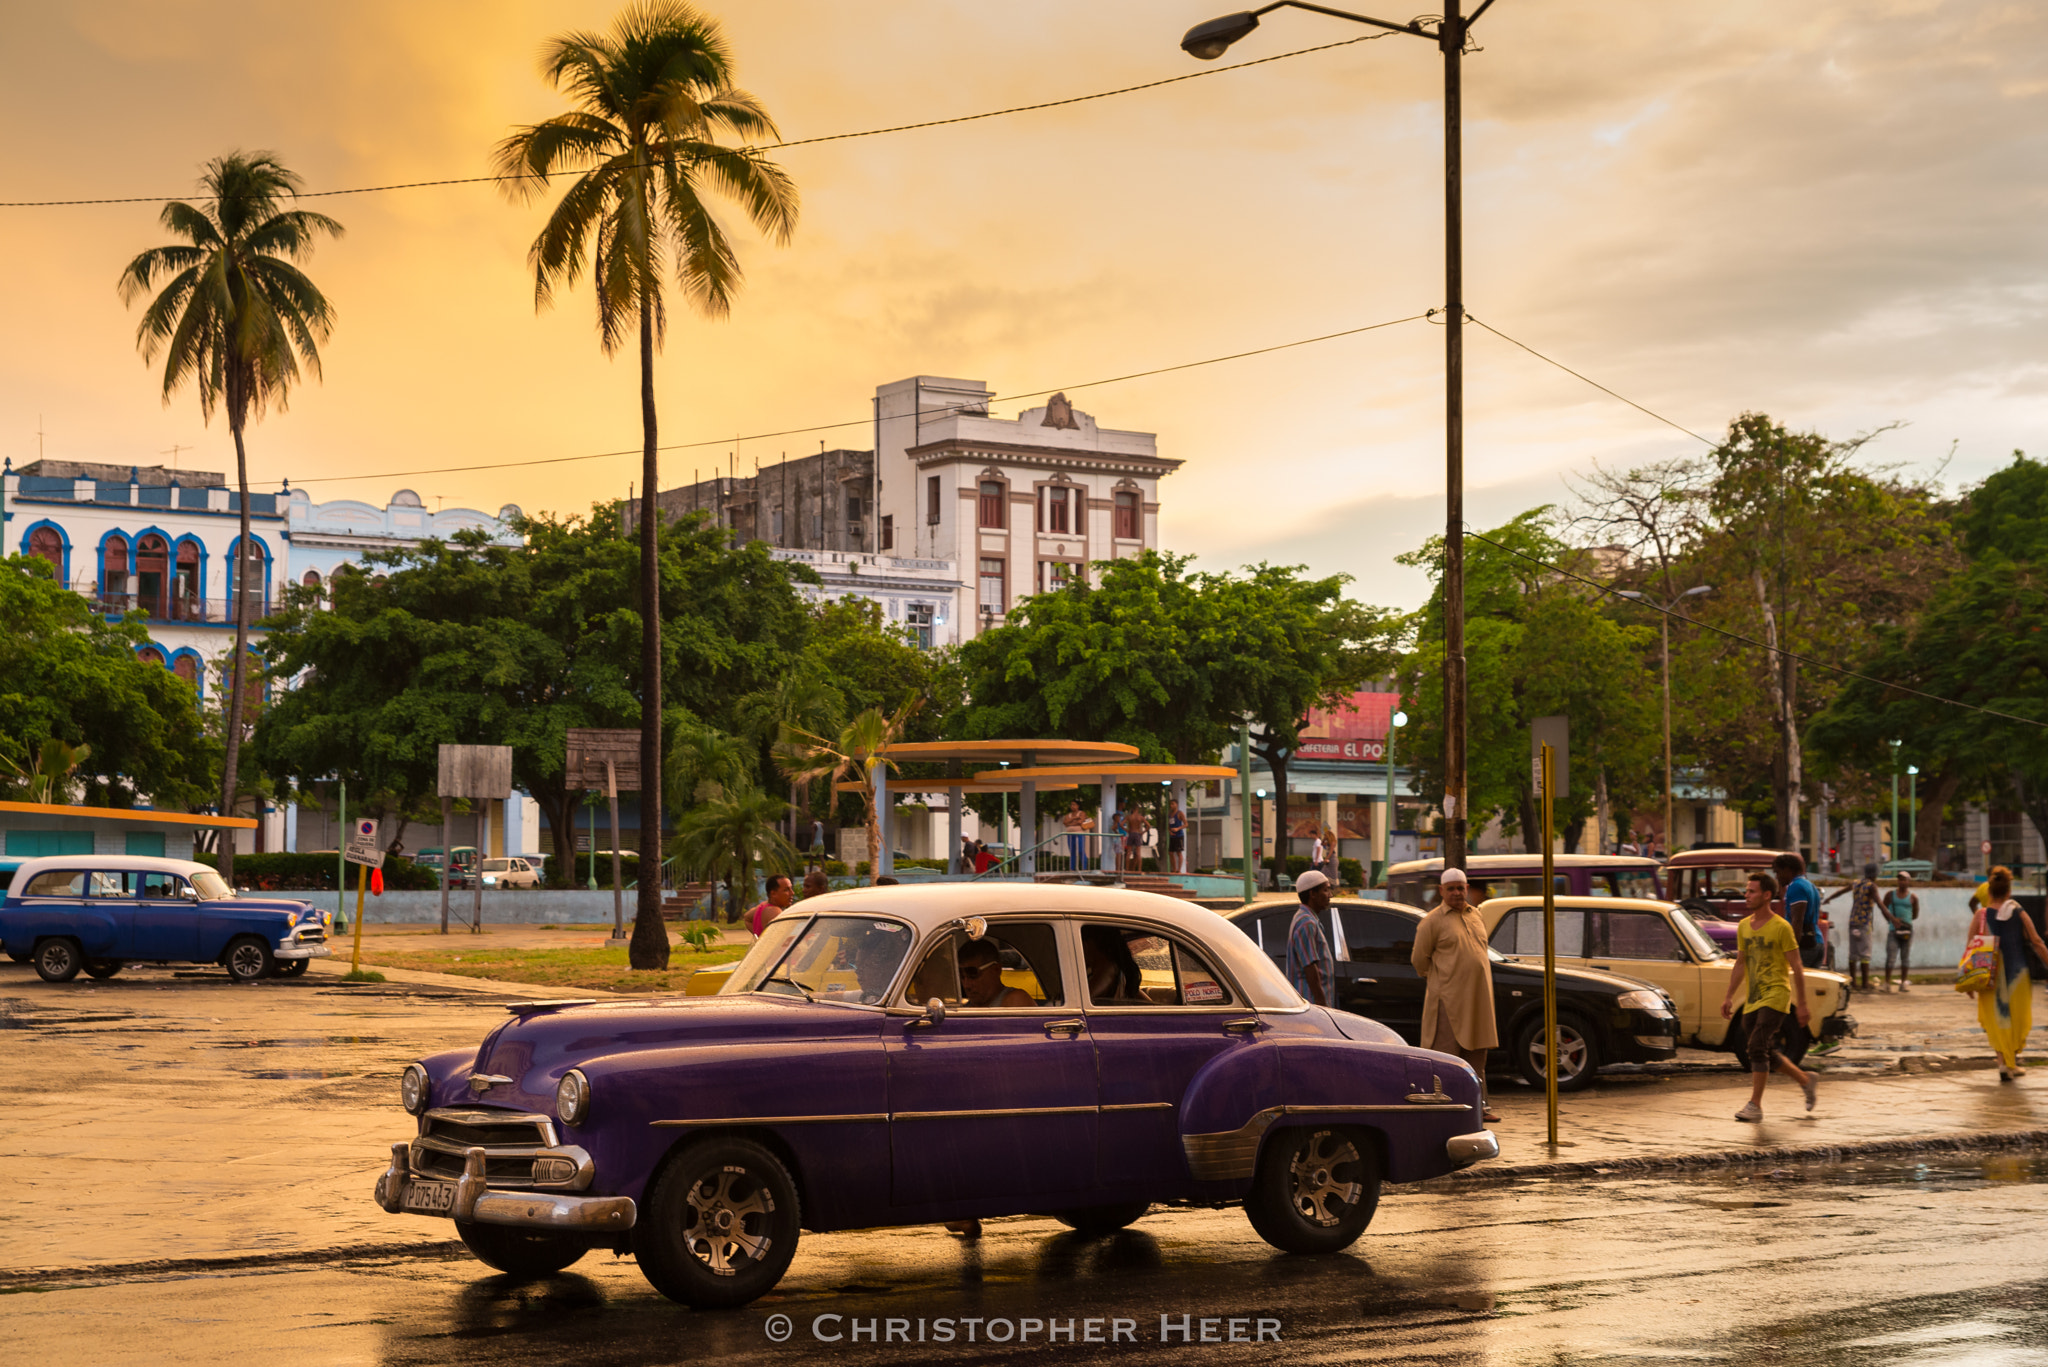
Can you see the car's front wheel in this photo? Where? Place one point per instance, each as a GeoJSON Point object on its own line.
{"type": "Point", "coordinates": [1578, 1053]}
{"type": "Point", "coordinates": [103, 968]}
{"type": "Point", "coordinates": [58, 960]}
{"type": "Point", "coordinates": [1103, 1219]}
{"type": "Point", "coordinates": [719, 1226]}
{"type": "Point", "coordinates": [1315, 1190]}
{"type": "Point", "coordinates": [248, 959]}
{"type": "Point", "coordinates": [519, 1252]}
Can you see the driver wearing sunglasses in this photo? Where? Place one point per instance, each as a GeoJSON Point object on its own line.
{"type": "Point", "coordinates": [981, 977]}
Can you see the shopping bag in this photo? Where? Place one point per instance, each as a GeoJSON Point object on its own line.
{"type": "Point", "coordinates": [1980, 960]}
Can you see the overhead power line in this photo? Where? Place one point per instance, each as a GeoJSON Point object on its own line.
{"type": "Point", "coordinates": [1751, 640]}
{"type": "Point", "coordinates": [760, 147]}
{"type": "Point", "coordinates": [864, 421]}
{"type": "Point", "coordinates": [1650, 412]}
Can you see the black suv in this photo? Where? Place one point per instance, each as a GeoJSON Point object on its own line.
{"type": "Point", "coordinates": [1601, 1017]}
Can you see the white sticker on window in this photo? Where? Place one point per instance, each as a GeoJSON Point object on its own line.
{"type": "Point", "coordinates": [1201, 992]}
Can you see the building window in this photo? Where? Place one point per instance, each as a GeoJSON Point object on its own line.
{"type": "Point", "coordinates": [186, 599]}
{"type": "Point", "coordinates": [993, 497]}
{"type": "Point", "coordinates": [1053, 513]}
{"type": "Point", "coordinates": [888, 531]}
{"type": "Point", "coordinates": [152, 573]}
{"type": "Point", "coordinates": [114, 573]}
{"type": "Point", "coordinates": [1126, 517]}
{"type": "Point", "coordinates": [991, 584]}
{"type": "Point", "coordinates": [45, 544]}
{"type": "Point", "coordinates": [918, 617]}
{"type": "Point", "coordinates": [1054, 575]}
{"type": "Point", "coordinates": [150, 655]}
{"type": "Point", "coordinates": [775, 523]}
{"type": "Point", "coordinates": [931, 500]}
{"type": "Point", "coordinates": [853, 508]}
{"type": "Point", "coordinates": [257, 577]}
{"type": "Point", "coordinates": [186, 667]}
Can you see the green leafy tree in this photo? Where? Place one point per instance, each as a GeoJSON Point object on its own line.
{"type": "Point", "coordinates": [80, 711]}
{"type": "Point", "coordinates": [855, 755]}
{"type": "Point", "coordinates": [651, 99]}
{"type": "Point", "coordinates": [236, 318]}
{"type": "Point", "coordinates": [730, 838]}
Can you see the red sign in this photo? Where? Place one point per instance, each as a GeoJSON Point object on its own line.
{"type": "Point", "coordinates": [1342, 750]}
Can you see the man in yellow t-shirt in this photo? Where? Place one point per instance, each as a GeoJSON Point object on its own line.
{"type": "Point", "coordinates": [1767, 957]}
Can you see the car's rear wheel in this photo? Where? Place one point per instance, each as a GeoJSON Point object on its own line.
{"type": "Point", "coordinates": [719, 1226]}
{"type": "Point", "coordinates": [1103, 1219]}
{"type": "Point", "coordinates": [103, 968]}
{"type": "Point", "coordinates": [1315, 1190]}
{"type": "Point", "coordinates": [520, 1252]}
{"type": "Point", "coordinates": [1578, 1053]}
{"type": "Point", "coordinates": [58, 959]}
{"type": "Point", "coordinates": [248, 959]}
{"type": "Point", "coordinates": [292, 968]}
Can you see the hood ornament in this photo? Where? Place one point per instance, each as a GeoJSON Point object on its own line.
{"type": "Point", "coordinates": [479, 1083]}
{"type": "Point", "coordinates": [1438, 1097]}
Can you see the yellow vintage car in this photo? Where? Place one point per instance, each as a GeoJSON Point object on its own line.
{"type": "Point", "coordinates": [1659, 943]}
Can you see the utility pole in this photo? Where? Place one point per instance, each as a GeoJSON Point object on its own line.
{"type": "Point", "coordinates": [1451, 39]}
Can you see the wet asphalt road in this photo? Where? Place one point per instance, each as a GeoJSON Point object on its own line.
{"type": "Point", "coordinates": [1892, 1262]}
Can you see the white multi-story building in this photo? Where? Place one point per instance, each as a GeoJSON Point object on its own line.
{"type": "Point", "coordinates": [1020, 505]}
{"type": "Point", "coordinates": [917, 595]}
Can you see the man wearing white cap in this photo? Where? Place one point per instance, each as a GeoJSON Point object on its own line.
{"type": "Point", "coordinates": [1310, 965]}
{"type": "Point", "coordinates": [1457, 998]}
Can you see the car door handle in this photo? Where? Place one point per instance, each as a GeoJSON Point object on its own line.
{"type": "Point", "coordinates": [1365, 980]}
{"type": "Point", "coordinates": [1247, 1026]}
{"type": "Point", "coordinates": [1067, 1028]}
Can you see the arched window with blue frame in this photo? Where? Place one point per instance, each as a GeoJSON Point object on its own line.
{"type": "Point", "coordinates": [258, 563]}
{"type": "Point", "coordinates": [188, 579]}
{"type": "Point", "coordinates": [115, 554]}
{"type": "Point", "coordinates": [46, 541]}
{"type": "Point", "coordinates": [188, 665]}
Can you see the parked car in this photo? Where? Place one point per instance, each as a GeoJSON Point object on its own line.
{"type": "Point", "coordinates": [1662, 944]}
{"type": "Point", "coordinates": [1602, 1018]}
{"type": "Point", "coordinates": [100, 912]}
{"type": "Point", "coordinates": [841, 1080]}
{"type": "Point", "coordinates": [461, 873]}
{"type": "Point", "coordinates": [1710, 884]}
{"type": "Point", "coordinates": [1517, 875]}
{"type": "Point", "coordinates": [509, 873]}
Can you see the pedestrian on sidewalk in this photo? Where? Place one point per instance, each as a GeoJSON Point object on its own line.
{"type": "Point", "coordinates": [1078, 823]}
{"type": "Point", "coordinates": [1311, 967]}
{"type": "Point", "coordinates": [2006, 1008]}
{"type": "Point", "coordinates": [1767, 958]}
{"type": "Point", "coordinates": [1902, 909]}
{"type": "Point", "coordinates": [1457, 994]}
{"type": "Point", "coordinates": [1135, 826]}
{"type": "Point", "coordinates": [1177, 837]}
{"type": "Point", "coordinates": [1802, 907]}
{"type": "Point", "coordinates": [781, 892]}
{"type": "Point", "coordinates": [1863, 897]}
{"type": "Point", "coordinates": [816, 884]}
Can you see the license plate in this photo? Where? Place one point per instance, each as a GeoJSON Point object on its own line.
{"type": "Point", "coordinates": [434, 1198]}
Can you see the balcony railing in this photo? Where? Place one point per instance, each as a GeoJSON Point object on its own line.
{"type": "Point", "coordinates": [214, 611]}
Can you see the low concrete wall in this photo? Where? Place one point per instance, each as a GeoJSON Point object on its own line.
{"type": "Point", "coordinates": [1938, 936]}
{"type": "Point", "coordinates": [544, 906]}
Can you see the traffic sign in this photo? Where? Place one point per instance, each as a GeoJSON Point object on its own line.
{"type": "Point", "coordinates": [1984, 847]}
{"type": "Point", "coordinates": [362, 847]}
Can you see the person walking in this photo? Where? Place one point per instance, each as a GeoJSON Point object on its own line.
{"type": "Point", "coordinates": [1311, 967]}
{"type": "Point", "coordinates": [1901, 910]}
{"type": "Point", "coordinates": [1317, 851]}
{"type": "Point", "coordinates": [1457, 994]}
{"type": "Point", "coordinates": [2006, 1008]}
{"type": "Point", "coordinates": [1077, 823]}
{"type": "Point", "coordinates": [1863, 895]}
{"type": "Point", "coordinates": [1135, 827]}
{"type": "Point", "coordinates": [1330, 855]}
{"type": "Point", "coordinates": [1802, 907]}
{"type": "Point", "coordinates": [1177, 837]}
{"type": "Point", "coordinates": [1768, 960]}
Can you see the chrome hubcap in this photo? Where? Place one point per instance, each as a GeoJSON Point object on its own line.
{"type": "Point", "coordinates": [728, 1226]}
{"type": "Point", "coordinates": [1320, 1196]}
{"type": "Point", "coordinates": [1571, 1052]}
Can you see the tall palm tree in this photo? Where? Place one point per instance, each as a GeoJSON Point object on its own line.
{"type": "Point", "coordinates": [651, 98]}
{"type": "Point", "coordinates": [852, 756]}
{"type": "Point", "coordinates": [238, 319]}
{"type": "Point", "coordinates": [805, 698]}
{"type": "Point", "coordinates": [732, 836]}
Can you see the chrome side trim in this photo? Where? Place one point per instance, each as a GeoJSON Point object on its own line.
{"type": "Point", "coordinates": [769, 1120]}
{"type": "Point", "coordinates": [1467, 1149]}
{"type": "Point", "coordinates": [978, 1115]}
{"type": "Point", "coordinates": [1137, 1106]}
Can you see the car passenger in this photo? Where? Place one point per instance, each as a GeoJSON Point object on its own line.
{"type": "Point", "coordinates": [981, 977]}
{"type": "Point", "coordinates": [1112, 971]}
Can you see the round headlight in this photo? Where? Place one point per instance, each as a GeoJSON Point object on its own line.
{"type": "Point", "coordinates": [572, 1098]}
{"type": "Point", "coordinates": [413, 1088]}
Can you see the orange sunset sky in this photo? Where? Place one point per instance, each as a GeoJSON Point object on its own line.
{"type": "Point", "coordinates": [1832, 212]}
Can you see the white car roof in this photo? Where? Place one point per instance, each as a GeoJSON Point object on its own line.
{"type": "Point", "coordinates": [140, 863]}
{"type": "Point", "coordinates": [930, 905]}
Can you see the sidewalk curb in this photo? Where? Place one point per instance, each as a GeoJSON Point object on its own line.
{"type": "Point", "coordinates": [63, 1277]}
{"type": "Point", "coordinates": [1781, 1153]}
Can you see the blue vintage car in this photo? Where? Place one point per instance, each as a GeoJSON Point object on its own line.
{"type": "Point", "coordinates": [99, 912]}
{"type": "Point", "coordinates": [901, 1055]}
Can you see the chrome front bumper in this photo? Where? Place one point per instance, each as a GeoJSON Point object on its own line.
{"type": "Point", "coordinates": [317, 951]}
{"type": "Point", "coordinates": [1467, 1149]}
{"type": "Point", "coordinates": [476, 1202]}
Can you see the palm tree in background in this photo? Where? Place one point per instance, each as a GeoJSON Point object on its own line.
{"type": "Point", "coordinates": [805, 698]}
{"type": "Point", "coordinates": [852, 756]}
{"type": "Point", "coordinates": [238, 319]}
{"type": "Point", "coordinates": [651, 98]}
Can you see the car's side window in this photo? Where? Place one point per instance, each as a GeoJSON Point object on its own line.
{"type": "Point", "coordinates": [107, 883]}
{"type": "Point", "coordinates": [1128, 967]}
{"type": "Point", "coordinates": [156, 886]}
{"type": "Point", "coordinates": [1637, 935]}
{"type": "Point", "coordinates": [1273, 932]}
{"type": "Point", "coordinates": [1521, 932]}
{"type": "Point", "coordinates": [1017, 964]}
{"type": "Point", "coordinates": [1378, 937]}
{"type": "Point", "coordinates": [56, 883]}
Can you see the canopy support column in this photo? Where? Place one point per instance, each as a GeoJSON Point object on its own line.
{"type": "Point", "coordinates": [1105, 821]}
{"type": "Point", "coordinates": [878, 859]}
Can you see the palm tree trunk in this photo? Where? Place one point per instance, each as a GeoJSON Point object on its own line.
{"type": "Point", "coordinates": [649, 947]}
{"type": "Point", "coordinates": [238, 676]}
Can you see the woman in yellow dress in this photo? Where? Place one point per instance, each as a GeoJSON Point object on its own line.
{"type": "Point", "coordinates": [2006, 1008]}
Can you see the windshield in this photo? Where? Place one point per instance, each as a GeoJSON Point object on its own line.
{"type": "Point", "coordinates": [210, 885]}
{"type": "Point", "coordinates": [497, 865]}
{"type": "Point", "coordinates": [829, 958]}
{"type": "Point", "coordinates": [1697, 939]}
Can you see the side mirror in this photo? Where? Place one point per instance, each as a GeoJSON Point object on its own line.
{"type": "Point", "coordinates": [934, 1014]}
{"type": "Point", "coordinates": [975, 926]}
{"type": "Point", "coordinates": [188, 892]}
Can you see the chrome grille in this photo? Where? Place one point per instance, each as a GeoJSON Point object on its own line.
{"type": "Point", "coordinates": [511, 1141]}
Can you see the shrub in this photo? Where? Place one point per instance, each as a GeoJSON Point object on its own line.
{"type": "Point", "coordinates": [1296, 865]}
{"type": "Point", "coordinates": [1351, 873]}
{"type": "Point", "coordinates": [286, 872]}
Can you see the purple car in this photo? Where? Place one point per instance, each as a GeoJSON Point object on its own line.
{"type": "Point", "coordinates": [905, 1055]}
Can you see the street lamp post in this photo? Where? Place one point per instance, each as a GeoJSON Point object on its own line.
{"type": "Point", "coordinates": [1892, 841]}
{"type": "Point", "coordinates": [1394, 723]}
{"type": "Point", "coordinates": [1664, 626]}
{"type": "Point", "coordinates": [1209, 41]}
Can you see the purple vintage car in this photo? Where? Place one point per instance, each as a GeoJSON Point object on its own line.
{"type": "Point", "coordinates": [902, 1055]}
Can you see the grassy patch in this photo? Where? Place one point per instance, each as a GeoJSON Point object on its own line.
{"type": "Point", "coordinates": [361, 975]}
{"type": "Point", "coordinates": [603, 968]}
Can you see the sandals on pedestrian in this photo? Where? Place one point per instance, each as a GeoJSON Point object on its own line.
{"type": "Point", "coordinates": [1490, 1116]}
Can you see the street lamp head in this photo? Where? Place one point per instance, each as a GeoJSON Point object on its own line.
{"type": "Point", "coordinates": [1211, 40]}
{"type": "Point", "coordinates": [1697, 590]}
{"type": "Point", "coordinates": [1912, 768]}
{"type": "Point", "coordinates": [1399, 719]}
{"type": "Point", "coordinates": [1635, 594]}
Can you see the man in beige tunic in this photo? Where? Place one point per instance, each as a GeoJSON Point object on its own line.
{"type": "Point", "coordinates": [1457, 999]}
